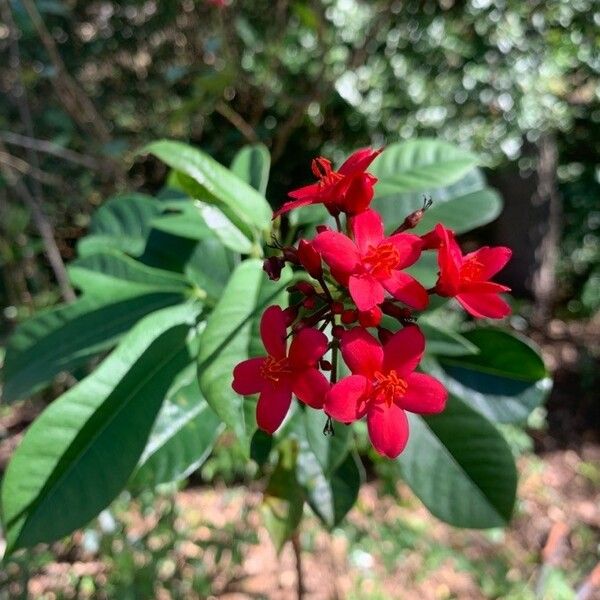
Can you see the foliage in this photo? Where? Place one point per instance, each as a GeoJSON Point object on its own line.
{"type": "Point", "coordinates": [141, 418]}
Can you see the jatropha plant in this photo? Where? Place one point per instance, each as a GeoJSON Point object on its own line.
{"type": "Point", "coordinates": [179, 345]}
{"type": "Point", "coordinates": [355, 275]}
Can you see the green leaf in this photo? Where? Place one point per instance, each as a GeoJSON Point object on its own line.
{"type": "Point", "coordinates": [331, 495]}
{"type": "Point", "coordinates": [182, 438]}
{"type": "Point", "coordinates": [460, 467]}
{"type": "Point", "coordinates": [227, 233]}
{"type": "Point", "coordinates": [231, 336]}
{"type": "Point", "coordinates": [111, 271]}
{"type": "Point", "coordinates": [244, 206]}
{"type": "Point", "coordinates": [283, 499]}
{"type": "Point", "coordinates": [260, 447]}
{"type": "Point", "coordinates": [463, 213]}
{"type": "Point", "coordinates": [64, 338]}
{"type": "Point", "coordinates": [441, 340]}
{"type": "Point", "coordinates": [79, 453]}
{"type": "Point", "coordinates": [419, 165]}
{"type": "Point", "coordinates": [121, 223]}
{"type": "Point", "coordinates": [252, 164]}
{"type": "Point", "coordinates": [504, 381]}
{"type": "Point", "coordinates": [329, 450]}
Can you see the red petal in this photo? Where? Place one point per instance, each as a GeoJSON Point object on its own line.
{"type": "Point", "coordinates": [338, 251]}
{"type": "Point", "coordinates": [361, 352]}
{"type": "Point", "coordinates": [404, 350]}
{"type": "Point", "coordinates": [307, 191]}
{"type": "Point", "coordinates": [273, 331]}
{"type": "Point", "coordinates": [366, 291]}
{"type": "Point", "coordinates": [367, 228]}
{"type": "Point", "coordinates": [449, 261]}
{"type": "Point", "coordinates": [407, 289]}
{"type": "Point", "coordinates": [358, 194]}
{"type": "Point", "coordinates": [482, 287]}
{"type": "Point", "coordinates": [359, 161]}
{"type": "Point", "coordinates": [409, 248]}
{"type": "Point", "coordinates": [388, 429]}
{"type": "Point", "coordinates": [493, 259]}
{"type": "Point", "coordinates": [431, 240]}
{"type": "Point", "coordinates": [345, 401]}
{"type": "Point", "coordinates": [311, 387]}
{"type": "Point", "coordinates": [292, 205]}
{"type": "Point", "coordinates": [490, 306]}
{"type": "Point", "coordinates": [307, 347]}
{"type": "Point", "coordinates": [273, 404]}
{"type": "Point", "coordinates": [425, 395]}
{"type": "Point", "coordinates": [247, 378]}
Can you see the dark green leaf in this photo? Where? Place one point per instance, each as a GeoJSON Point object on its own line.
{"type": "Point", "coordinates": [445, 341]}
{"type": "Point", "coordinates": [246, 207]}
{"type": "Point", "coordinates": [283, 499]}
{"type": "Point", "coordinates": [460, 467]}
{"type": "Point", "coordinates": [330, 450]}
{"type": "Point", "coordinates": [111, 271]}
{"type": "Point", "coordinates": [419, 165]}
{"type": "Point", "coordinates": [260, 447]}
{"type": "Point", "coordinates": [64, 338]}
{"type": "Point", "coordinates": [182, 438]}
{"type": "Point", "coordinates": [251, 164]}
{"type": "Point", "coordinates": [80, 452]}
{"type": "Point", "coordinates": [504, 381]}
{"type": "Point", "coordinates": [121, 223]}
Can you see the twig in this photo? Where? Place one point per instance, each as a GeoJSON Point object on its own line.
{"type": "Point", "coordinates": [237, 121]}
{"type": "Point", "coordinates": [48, 147]}
{"type": "Point", "coordinates": [299, 575]}
{"type": "Point", "coordinates": [18, 164]}
{"type": "Point", "coordinates": [75, 99]}
{"type": "Point", "coordinates": [33, 201]}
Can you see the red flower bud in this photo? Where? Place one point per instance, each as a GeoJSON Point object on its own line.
{"type": "Point", "coordinates": [290, 314]}
{"type": "Point", "coordinates": [349, 316]}
{"type": "Point", "coordinates": [371, 317]}
{"type": "Point", "coordinates": [325, 365]}
{"type": "Point", "coordinates": [337, 308]}
{"type": "Point", "coordinates": [337, 331]}
{"type": "Point", "coordinates": [310, 259]}
{"type": "Point", "coordinates": [309, 303]}
{"type": "Point", "coordinates": [290, 254]}
{"type": "Point", "coordinates": [321, 228]}
{"type": "Point", "coordinates": [272, 267]}
{"type": "Point", "coordinates": [305, 288]}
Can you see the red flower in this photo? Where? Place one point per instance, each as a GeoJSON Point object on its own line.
{"type": "Point", "coordinates": [383, 386]}
{"type": "Point", "coordinates": [348, 190]}
{"type": "Point", "coordinates": [371, 263]}
{"type": "Point", "coordinates": [279, 374]}
{"type": "Point", "coordinates": [467, 277]}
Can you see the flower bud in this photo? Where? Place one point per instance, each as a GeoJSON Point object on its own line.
{"type": "Point", "coordinates": [337, 308]}
{"type": "Point", "coordinates": [325, 365]}
{"type": "Point", "coordinates": [337, 331]}
{"type": "Point", "coordinates": [310, 259]}
{"type": "Point", "coordinates": [272, 267]}
{"type": "Point", "coordinates": [290, 314]}
{"type": "Point", "coordinates": [309, 303]}
{"type": "Point", "coordinates": [349, 316]}
{"type": "Point", "coordinates": [371, 317]}
{"type": "Point", "coordinates": [305, 288]}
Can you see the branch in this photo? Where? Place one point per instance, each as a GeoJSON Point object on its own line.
{"type": "Point", "coordinates": [299, 576]}
{"type": "Point", "coordinates": [237, 121]}
{"type": "Point", "coordinates": [74, 98]}
{"type": "Point", "coordinates": [18, 164]}
{"type": "Point", "coordinates": [48, 147]}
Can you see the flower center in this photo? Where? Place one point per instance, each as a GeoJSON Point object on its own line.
{"type": "Point", "coordinates": [321, 168]}
{"type": "Point", "coordinates": [275, 368]}
{"type": "Point", "coordinates": [388, 387]}
{"type": "Point", "coordinates": [471, 270]}
{"type": "Point", "coordinates": [382, 259]}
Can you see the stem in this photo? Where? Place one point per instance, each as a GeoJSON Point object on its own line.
{"type": "Point", "coordinates": [334, 361]}
{"type": "Point", "coordinates": [299, 576]}
{"type": "Point", "coordinates": [338, 223]}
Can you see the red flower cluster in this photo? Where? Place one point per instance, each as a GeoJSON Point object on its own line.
{"type": "Point", "coordinates": [358, 276]}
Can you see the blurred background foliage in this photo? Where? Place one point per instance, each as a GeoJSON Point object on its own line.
{"type": "Point", "coordinates": [86, 83]}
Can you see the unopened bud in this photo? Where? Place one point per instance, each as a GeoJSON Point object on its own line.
{"type": "Point", "coordinates": [290, 314]}
{"type": "Point", "coordinates": [305, 288]}
{"type": "Point", "coordinates": [337, 331]}
{"type": "Point", "coordinates": [370, 318]}
{"type": "Point", "coordinates": [290, 255]}
{"type": "Point", "coordinates": [337, 308]}
{"type": "Point", "coordinates": [349, 316]}
{"type": "Point", "coordinates": [325, 365]}
{"type": "Point", "coordinates": [272, 267]}
{"type": "Point", "coordinates": [309, 303]}
{"type": "Point", "coordinates": [310, 259]}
